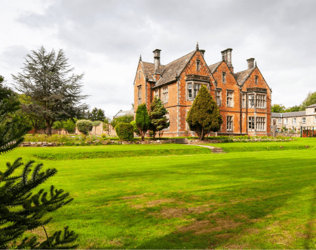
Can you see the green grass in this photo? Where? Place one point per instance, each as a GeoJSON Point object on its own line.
{"type": "Point", "coordinates": [263, 199]}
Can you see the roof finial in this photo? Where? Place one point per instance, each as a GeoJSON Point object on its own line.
{"type": "Point", "coordinates": [197, 46]}
{"type": "Point", "coordinates": [140, 57]}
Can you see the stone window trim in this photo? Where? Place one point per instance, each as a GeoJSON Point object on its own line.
{"type": "Point", "coordinates": [251, 123]}
{"type": "Point", "coordinates": [251, 100]}
{"type": "Point", "coordinates": [218, 96]}
{"type": "Point", "coordinates": [261, 124]}
{"type": "Point", "coordinates": [303, 119]}
{"type": "Point", "coordinates": [230, 98]}
{"type": "Point", "coordinates": [192, 88]}
{"type": "Point", "coordinates": [244, 100]}
{"type": "Point", "coordinates": [139, 94]}
{"type": "Point", "coordinates": [165, 94]}
{"type": "Point", "coordinates": [198, 65]}
{"type": "Point", "coordinates": [261, 101]}
{"type": "Point", "coordinates": [285, 120]}
{"type": "Point", "coordinates": [223, 77]}
{"type": "Point", "coordinates": [256, 80]}
{"type": "Point", "coordinates": [294, 120]}
{"type": "Point", "coordinates": [230, 123]}
{"type": "Point", "coordinates": [279, 120]}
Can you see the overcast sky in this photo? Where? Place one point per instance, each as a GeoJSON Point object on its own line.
{"type": "Point", "coordinates": [104, 39]}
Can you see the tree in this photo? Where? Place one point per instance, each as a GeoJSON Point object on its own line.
{"type": "Point", "coordinates": [204, 115]}
{"type": "Point", "coordinates": [277, 108]}
{"type": "Point", "coordinates": [69, 126]}
{"type": "Point", "coordinates": [309, 100]}
{"type": "Point", "coordinates": [157, 115]}
{"type": "Point", "coordinates": [20, 210]}
{"type": "Point", "coordinates": [12, 127]}
{"type": "Point", "coordinates": [84, 126]}
{"type": "Point", "coordinates": [96, 115]}
{"type": "Point", "coordinates": [142, 120]}
{"type": "Point", "coordinates": [30, 117]}
{"type": "Point", "coordinates": [293, 109]}
{"type": "Point", "coordinates": [55, 92]}
{"type": "Point", "coordinates": [135, 128]}
{"type": "Point", "coordinates": [125, 131]}
{"type": "Point", "coordinates": [58, 125]}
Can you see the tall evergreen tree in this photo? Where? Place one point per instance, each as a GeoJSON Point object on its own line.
{"type": "Point", "coordinates": [204, 115]}
{"type": "Point", "coordinates": [54, 90]}
{"type": "Point", "coordinates": [96, 115]}
{"type": "Point", "coordinates": [21, 210]}
{"type": "Point", "coordinates": [142, 120]}
{"type": "Point", "coordinates": [157, 115]}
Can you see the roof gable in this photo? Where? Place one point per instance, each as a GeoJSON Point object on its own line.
{"type": "Point", "coordinates": [242, 76]}
{"type": "Point", "coordinates": [214, 66]}
{"type": "Point", "coordinates": [174, 69]}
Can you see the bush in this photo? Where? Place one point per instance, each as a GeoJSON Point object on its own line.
{"type": "Point", "coordinates": [125, 131]}
{"type": "Point", "coordinates": [69, 126]}
{"type": "Point", "coordinates": [136, 131]}
{"type": "Point", "coordinates": [84, 126]}
{"type": "Point", "coordinates": [96, 123]}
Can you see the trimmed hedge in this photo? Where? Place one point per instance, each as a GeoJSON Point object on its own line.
{"type": "Point", "coordinates": [84, 126]}
{"type": "Point", "coordinates": [125, 131]}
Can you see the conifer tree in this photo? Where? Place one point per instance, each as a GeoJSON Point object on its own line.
{"type": "Point", "coordinates": [21, 210]}
{"type": "Point", "coordinates": [204, 115]}
{"type": "Point", "coordinates": [142, 120]}
{"type": "Point", "coordinates": [157, 115]}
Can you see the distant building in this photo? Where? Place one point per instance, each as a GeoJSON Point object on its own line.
{"type": "Point", "coordinates": [122, 113]}
{"type": "Point", "coordinates": [244, 98]}
{"type": "Point", "coordinates": [296, 120]}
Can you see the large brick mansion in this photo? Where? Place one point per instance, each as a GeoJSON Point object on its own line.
{"type": "Point", "coordinates": [244, 98]}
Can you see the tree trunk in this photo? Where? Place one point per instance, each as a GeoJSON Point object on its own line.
{"type": "Point", "coordinates": [154, 134]}
{"type": "Point", "coordinates": [143, 136]}
{"type": "Point", "coordinates": [49, 129]}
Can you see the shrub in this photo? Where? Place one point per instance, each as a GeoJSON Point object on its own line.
{"type": "Point", "coordinates": [136, 131]}
{"type": "Point", "coordinates": [96, 123]}
{"type": "Point", "coordinates": [125, 131]}
{"type": "Point", "coordinates": [69, 126]}
{"type": "Point", "coordinates": [84, 126]}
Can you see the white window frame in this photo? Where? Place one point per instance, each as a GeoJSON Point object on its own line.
{"type": "Point", "coordinates": [279, 120]}
{"type": "Point", "coordinates": [244, 100]}
{"type": "Point", "coordinates": [285, 121]}
{"type": "Point", "coordinates": [261, 124]}
{"type": "Point", "coordinates": [294, 120]}
{"type": "Point", "coordinates": [251, 123]}
{"type": "Point", "coordinates": [303, 119]}
{"type": "Point", "coordinates": [139, 94]}
{"type": "Point", "coordinates": [230, 99]}
{"type": "Point", "coordinates": [261, 101]}
{"type": "Point", "coordinates": [165, 94]}
{"type": "Point", "coordinates": [195, 87]}
{"type": "Point", "coordinates": [223, 77]}
{"type": "Point", "coordinates": [229, 123]}
{"type": "Point", "coordinates": [218, 94]}
{"type": "Point", "coordinates": [251, 100]}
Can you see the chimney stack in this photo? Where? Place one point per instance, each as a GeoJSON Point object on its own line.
{"type": "Point", "coordinates": [227, 57]}
{"type": "Point", "coordinates": [157, 60]}
{"type": "Point", "coordinates": [251, 63]}
{"type": "Point", "coordinates": [202, 52]}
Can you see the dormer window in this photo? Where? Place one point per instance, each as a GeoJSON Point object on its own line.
{"type": "Point", "coordinates": [198, 65]}
{"type": "Point", "coordinates": [223, 77]}
{"type": "Point", "coordinates": [256, 80]}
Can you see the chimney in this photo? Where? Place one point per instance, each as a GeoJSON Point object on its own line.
{"type": "Point", "coordinates": [251, 63]}
{"type": "Point", "coordinates": [157, 60]}
{"type": "Point", "coordinates": [227, 57]}
{"type": "Point", "coordinates": [202, 52]}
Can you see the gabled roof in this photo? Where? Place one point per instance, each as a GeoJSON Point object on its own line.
{"type": "Point", "coordinates": [149, 70]}
{"type": "Point", "coordinates": [214, 66]}
{"type": "Point", "coordinates": [242, 76]}
{"type": "Point", "coordinates": [288, 114]}
{"type": "Point", "coordinates": [312, 106]}
{"type": "Point", "coordinates": [122, 113]}
{"type": "Point", "coordinates": [173, 69]}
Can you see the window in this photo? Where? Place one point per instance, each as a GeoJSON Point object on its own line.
{"type": "Point", "coordinates": [229, 123]}
{"type": "Point", "coordinates": [165, 94]}
{"type": "Point", "coordinates": [279, 120]}
{"type": "Point", "coordinates": [139, 94]}
{"type": "Point", "coordinates": [190, 93]}
{"type": "Point", "coordinates": [251, 123]}
{"type": "Point", "coordinates": [294, 120]}
{"type": "Point", "coordinates": [230, 102]}
{"type": "Point", "coordinates": [285, 121]}
{"type": "Point", "coordinates": [196, 89]}
{"type": "Point", "coordinates": [314, 110]}
{"type": "Point", "coordinates": [260, 124]}
{"type": "Point", "coordinates": [251, 101]}
{"type": "Point", "coordinates": [198, 65]}
{"type": "Point", "coordinates": [156, 93]}
{"type": "Point", "coordinates": [261, 101]}
{"type": "Point", "coordinates": [256, 80]}
{"type": "Point", "coordinates": [244, 100]}
{"type": "Point", "coordinates": [223, 77]}
{"type": "Point", "coordinates": [219, 97]}
{"type": "Point", "coordinates": [303, 120]}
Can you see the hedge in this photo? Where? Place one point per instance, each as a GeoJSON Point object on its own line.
{"type": "Point", "coordinates": [84, 126]}
{"type": "Point", "coordinates": [125, 131]}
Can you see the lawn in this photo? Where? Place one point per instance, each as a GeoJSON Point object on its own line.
{"type": "Point", "coordinates": [250, 197]}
